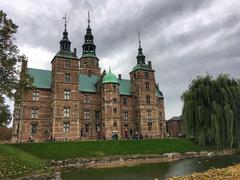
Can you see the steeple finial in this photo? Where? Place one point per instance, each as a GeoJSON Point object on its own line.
{"type": "Point", "coordinates": [140, 56]}
{"type": "Point", "coordinates": [139, 39]}
{"type": "Point", "coordinates": [88, 19]}
{"type": "Point", "coordinates": [65, 23]}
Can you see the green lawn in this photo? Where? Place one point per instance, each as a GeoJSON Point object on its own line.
{"type": "Point", "coordinates": [19, 159]}
{"type": "Point", "coordinates": [14, 162]}
{"type": "Point", "coordinates": [65, 150]}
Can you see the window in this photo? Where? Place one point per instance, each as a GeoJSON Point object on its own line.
{"type": "Point", "coordinates": [135, 99]}
{"type": "Point", "coordinates": [147, 86]}
{"type": "Point", "coordinates": [115, 110]}
{"type": "Point", "coordinates": [125, 115]}
{"type": "Point", "coordinates": [34, 113]}
{"type": "Point", "coordinates": [125, 101]}
{"type": "Point", "coordinates": [97, 115]}
{"type": "Point", "coordinates": [86, 115]}
{"type": "Point", "coordinates": [146, 75]}
{"type": "Point", "coordinates": [67, 78]}
{"type": "Point", "coordinates": [115, 124]}
{"type": "Point", "coordinates": [114, 100]}
{"type": "Point", "coordinates": [66, 94]}
{"type": "Point", "coordinates": [86, 99]}
{"type": "Point", "coordinates": [149, 126]}
{"type": "Point", "coordinates": [66, 111]}
{"type": "Point", "coordinates": [67, 63]}
{"type": "Point", "coordinates": [149, 114]}
{"type": "Point", "coordinates": [114, 88]}
{"type": "Point", "coordinates": [35, 96]}
{"type": "Point", "coordinates": [86, 128]}
{"type": "Point", "coordinates": [148, 99]}
{"type": "Point", "coordinates": [34, 128]}
{"type": "Point", "coordinates": [66, 127]}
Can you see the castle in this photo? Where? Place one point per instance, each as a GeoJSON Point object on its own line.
{"type": "Point", "coordinates": [76, 101]}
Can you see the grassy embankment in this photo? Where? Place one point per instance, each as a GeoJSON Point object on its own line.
{"type": "Point", "coordinates": [14, 162]}
{"type": "Point", "coordinates": [17, 159]}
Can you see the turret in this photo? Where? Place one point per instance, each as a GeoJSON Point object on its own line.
{"type": "Point", "coordinates": [111, 106]}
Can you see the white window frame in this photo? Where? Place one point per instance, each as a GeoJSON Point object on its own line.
{"type": "Point", "coordinates": [66, 111]}
{"type": "Point", "coordinates": [35, 96]}
{"type": "Point", "coordinates": [66, 94]}
{"type": "Point", "coordinates": [66, 127]}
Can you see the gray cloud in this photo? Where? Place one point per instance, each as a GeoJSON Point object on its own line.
{"type": "Point", "coordinates": [182, 38]}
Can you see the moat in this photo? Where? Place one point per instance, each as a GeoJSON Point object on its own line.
{"type": "Point", "coordinates": [151, 171]}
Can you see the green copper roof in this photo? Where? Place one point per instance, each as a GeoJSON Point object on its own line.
{"type": "Point", "coordinates": [89, 55]}
{"type": "Point", "coordinates": [66, 54]}
{"type": "Point", "coordinates": [87, 83]}
{"type": "Point", "coordinates": [145, 67]}
{"type": "Point", "coordinates": [110, 78]}
{"type": "Point", "coordinates": [159, 93]}
{"type": "Point", "coordinates": [125, 87]}
{"type": "Point", "coordinates": [42, 78]}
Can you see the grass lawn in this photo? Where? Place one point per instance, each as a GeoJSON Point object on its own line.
{"type": "Point", "coordinates": [65, 150]}
{"type": "Point", "coordinates": [14, 162]}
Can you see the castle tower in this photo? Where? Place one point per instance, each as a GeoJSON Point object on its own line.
{"type": "Point", "coordinates": [65, 98]}
{"type": "Point", "coordinates": [111, 106]}
{"type": "Point", "coordinates": [143, 88]}
{"type": "Point", "coordinates": [89, 63]}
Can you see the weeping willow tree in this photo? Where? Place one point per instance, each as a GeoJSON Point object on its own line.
{"type": "Point", "coordinates": [211, 111]}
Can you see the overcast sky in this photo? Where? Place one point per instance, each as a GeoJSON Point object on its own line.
{"type": "Point", "coordinates": [182, 38]}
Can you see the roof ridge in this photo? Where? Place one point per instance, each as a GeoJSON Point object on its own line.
{"type": "Point", "coordinates": [40, 69]}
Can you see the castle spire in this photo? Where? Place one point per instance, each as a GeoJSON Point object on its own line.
{"type": "Point", "coordinates": [140, 56]}
{"type": "Point", "coordinates": [89, 47]}
{"type": "Point", "coordinates": [65, 44]}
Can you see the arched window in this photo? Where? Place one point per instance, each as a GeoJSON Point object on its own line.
{"type": "Point", "coordinates": [148, 99]}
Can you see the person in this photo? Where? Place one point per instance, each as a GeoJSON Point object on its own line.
{"type": "Point", "coordinates": [136, 135]}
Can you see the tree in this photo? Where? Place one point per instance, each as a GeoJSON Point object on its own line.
{"type": "Point", "coordinates": [211, 111]}
{"type": "Point", "coordinates": [5, 115]}
{"type": "Point", "coordinates": [10, 61]}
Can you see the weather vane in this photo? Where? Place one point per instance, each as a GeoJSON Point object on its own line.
{"type": "Point", "coordinates": [139, 39]}
{"type": "Point", "coordinates": [88, 19]}
{"type": "Point", "coordinates": [65, 24]}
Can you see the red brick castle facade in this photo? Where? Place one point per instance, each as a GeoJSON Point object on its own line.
{"type": "Point", "coordinates": [75, 100]}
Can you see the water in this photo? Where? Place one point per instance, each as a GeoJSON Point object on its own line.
{"type": "Point", "coordinates": [151, 171]}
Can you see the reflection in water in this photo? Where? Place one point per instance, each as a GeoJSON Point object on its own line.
{"type": "Point", "coordinates": [151, 171]}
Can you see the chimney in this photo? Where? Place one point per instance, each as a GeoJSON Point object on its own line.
{"type": "Point", "coordinates": [119, 76]}
{"type": "Point", "coordinates": [150, 64]}
{"type": "Point", "coordinates": [75, 51]}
